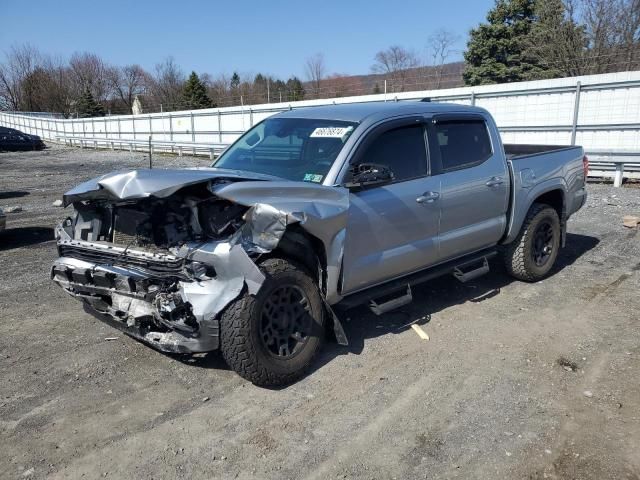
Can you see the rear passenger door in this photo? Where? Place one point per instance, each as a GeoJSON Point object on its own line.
{"type": "Point", "coordinates": [474, 184]}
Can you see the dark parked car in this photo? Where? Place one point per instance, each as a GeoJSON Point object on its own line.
{"type": "Point", "coordinates": [12, 140]}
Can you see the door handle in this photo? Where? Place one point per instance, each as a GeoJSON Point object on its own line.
{"type": "Point", "coordinates": [428, 197]}
{"type": "Point", "coordinates": [494, 182]}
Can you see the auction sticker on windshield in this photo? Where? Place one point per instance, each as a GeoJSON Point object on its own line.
{"type": "Point", "coordinates": [331, 132]}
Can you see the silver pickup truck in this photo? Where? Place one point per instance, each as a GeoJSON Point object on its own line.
{"type": "Point", "coordinates": [311, 212]}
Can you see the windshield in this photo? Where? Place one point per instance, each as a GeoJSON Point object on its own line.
{"type": "Point", "coordinates": [292, 148]}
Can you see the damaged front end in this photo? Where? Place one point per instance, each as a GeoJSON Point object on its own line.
{"type": "Point", "coordinates": [159, 254]}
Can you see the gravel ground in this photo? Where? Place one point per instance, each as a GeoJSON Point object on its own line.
{"type": "Point", "coordinates": [517, 381]}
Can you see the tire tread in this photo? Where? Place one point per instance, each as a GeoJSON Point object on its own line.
{"type": "Point", "coordinates": [235, 334]}
{"type": "Point", "coordinates": [515, 254]}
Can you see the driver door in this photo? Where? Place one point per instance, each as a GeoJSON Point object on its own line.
{"type": "Point", "coordinates": [392, 229]}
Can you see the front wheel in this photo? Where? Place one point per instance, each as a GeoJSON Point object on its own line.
{"type": "Point", "coordinates": [531, 256]}
{"type": "Point", "coordinates": [271, 338]}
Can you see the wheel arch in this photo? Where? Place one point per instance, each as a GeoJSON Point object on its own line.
{"type": "Point", "coordinates": [552, 193]}
{"type": "Point", "coordinates": [309, 251]}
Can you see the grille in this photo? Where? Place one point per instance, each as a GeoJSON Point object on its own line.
{"type": "Point", "coordinates": [164, 267]}
{"type": "Point", "coordinates": [130, 228]}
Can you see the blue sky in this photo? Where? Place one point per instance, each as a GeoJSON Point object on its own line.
{"type": "Point", "coordinates": [270, 36]}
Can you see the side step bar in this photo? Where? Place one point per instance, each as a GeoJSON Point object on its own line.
{"type": "Point", "coordinates": [401, 286]}
{"type": "Point", "coordinates": [380, 308]}
{"type": "Point", "coordinates": [464, 276]}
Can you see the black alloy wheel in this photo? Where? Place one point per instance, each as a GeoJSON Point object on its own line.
{"type": "Point", "coordinates": [286, 322]}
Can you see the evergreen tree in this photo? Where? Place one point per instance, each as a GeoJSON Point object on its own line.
{"type": "Point", "coordinates": [295, 90]}
{"type": "Point", "coordinates": [235, 81]}
{"type": "Point", "coordinates": [194, 94]}
{"type": "Point", "coordinates": [497, 50]}
{"type": "Point", "coordinates": [87, 105]}
{"type": "Point", "coordinates": [234, 87]}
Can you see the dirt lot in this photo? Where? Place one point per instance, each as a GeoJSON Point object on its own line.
{"type": "Point", "coordinates": [518, 380]}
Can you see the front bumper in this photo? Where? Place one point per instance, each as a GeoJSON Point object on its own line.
{"type": "Point", "coordinates": [125, 299]}
{"type": "Point", "coordinates": [156, 297]}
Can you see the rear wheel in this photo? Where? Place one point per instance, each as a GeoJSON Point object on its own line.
{"type": "Point", "coordinates": [531, 256]}
{"type": "Point", "coordinates": [272, 338]}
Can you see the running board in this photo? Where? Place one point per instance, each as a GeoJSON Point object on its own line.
{"type": "Point", "coordinates": [395, 286]}
{"type": "Point", "coordinates": [382, 308]}
{"type": "Point", "coordinates": [465, 276]}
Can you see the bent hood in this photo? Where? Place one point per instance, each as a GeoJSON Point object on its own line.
{"type": "Point", "coordinates": [273, 205]}
{"type": "Point", "coordinates": [159, 183]}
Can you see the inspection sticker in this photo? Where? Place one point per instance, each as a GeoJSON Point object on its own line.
{"type": "Point", "coordinates": [331, 132]}
{"type": "Point", "coordinates": [312, 177]}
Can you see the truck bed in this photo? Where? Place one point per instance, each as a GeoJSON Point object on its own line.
{"type": "Point", "coordinates": [536, 169]}
{"type": "Point", "coordinates": [515, 151]}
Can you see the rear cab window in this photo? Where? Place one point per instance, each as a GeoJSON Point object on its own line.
{"type": "Point", "coordinates": [461, 143]}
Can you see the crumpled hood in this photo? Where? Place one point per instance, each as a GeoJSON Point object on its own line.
{"type": "Point", "coordinates": [159, 183]}
{"type": "Point", "coordinates": [273, 203]}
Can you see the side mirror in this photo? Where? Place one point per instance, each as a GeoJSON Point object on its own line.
{"type": "Point", "coordinates": [367, 174]}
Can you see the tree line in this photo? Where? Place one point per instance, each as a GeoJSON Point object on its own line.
{"type": "Point", "coordinates": [86, 86]}
{"type": "Point", "coordinates": [520, 40]}
{"type": "Point", "coordinates": [540, 39]}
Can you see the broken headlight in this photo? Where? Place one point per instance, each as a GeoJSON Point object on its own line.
{"type": "Point", "coordinates": [220, 218]}
{"type": "Point", "coordinates": [200, 271]}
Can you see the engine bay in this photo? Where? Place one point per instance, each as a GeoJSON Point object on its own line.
{"type": "Point", "coordinates": [157, 223]}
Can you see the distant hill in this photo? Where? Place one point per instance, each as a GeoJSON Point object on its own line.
{"type": "Point", "coordinates": [421, 78]}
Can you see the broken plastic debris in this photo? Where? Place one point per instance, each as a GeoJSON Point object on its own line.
{"type": "Point", "coordinates": [421, 333]}
{"type": "Point", "coordinates": [630, 221]}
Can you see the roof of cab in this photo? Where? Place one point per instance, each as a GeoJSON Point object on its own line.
{"type": "Point", "coordinates": [357, 112]}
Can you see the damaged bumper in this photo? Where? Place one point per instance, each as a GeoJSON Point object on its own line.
{"type": "Point", "coordinates": [160, 254]}
{"type": "Point", "coordinates": [170, 302]}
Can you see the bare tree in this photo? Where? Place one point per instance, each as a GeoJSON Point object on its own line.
{"type": "Point", "coordinates": [167, 83]}
{"type": "Point", "coordinates": [395, 61]}
{"type": "Point", "coordinates": [21, 62]}
{"type": "Point", "coordinates": [315, 69]}
{"type": "Point", "coordinates": [441, 46]}
{"type": "Point", "coordinates": [613, 33]}
{"type": "Point", "coordinates": [50, 87]}
{"type": "Point", "coordinates": [90, 72]}
{"type": "Point", "coordinates": [127, 82]}
{"type": "Point", "coordinates": [629, 32]}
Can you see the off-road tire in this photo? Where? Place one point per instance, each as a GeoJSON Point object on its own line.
{"type": "Point", "coordinates": [518, 255]}
{"type": "Point", "coordinates": [241, 343]}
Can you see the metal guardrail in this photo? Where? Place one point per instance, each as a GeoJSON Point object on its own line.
{"type": "Point", "coordinates": [618, 165]}
{"type": "Point", "coordinates": [212, 149]}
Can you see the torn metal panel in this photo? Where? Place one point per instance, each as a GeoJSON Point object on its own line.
{"type": "Point", "coordinates": [322, 211]}
{"type": "Point", "coordinates": [230, 261]}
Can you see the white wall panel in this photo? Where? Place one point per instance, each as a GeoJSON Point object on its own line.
{"type": "Point", "coordinates": [605, 100]}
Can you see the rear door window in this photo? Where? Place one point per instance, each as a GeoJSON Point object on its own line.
{"type": "Point", "coordinates": [462, 143]}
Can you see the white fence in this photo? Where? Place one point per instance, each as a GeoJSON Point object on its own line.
{"type": "Point", "coordinates": [599, 112]}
